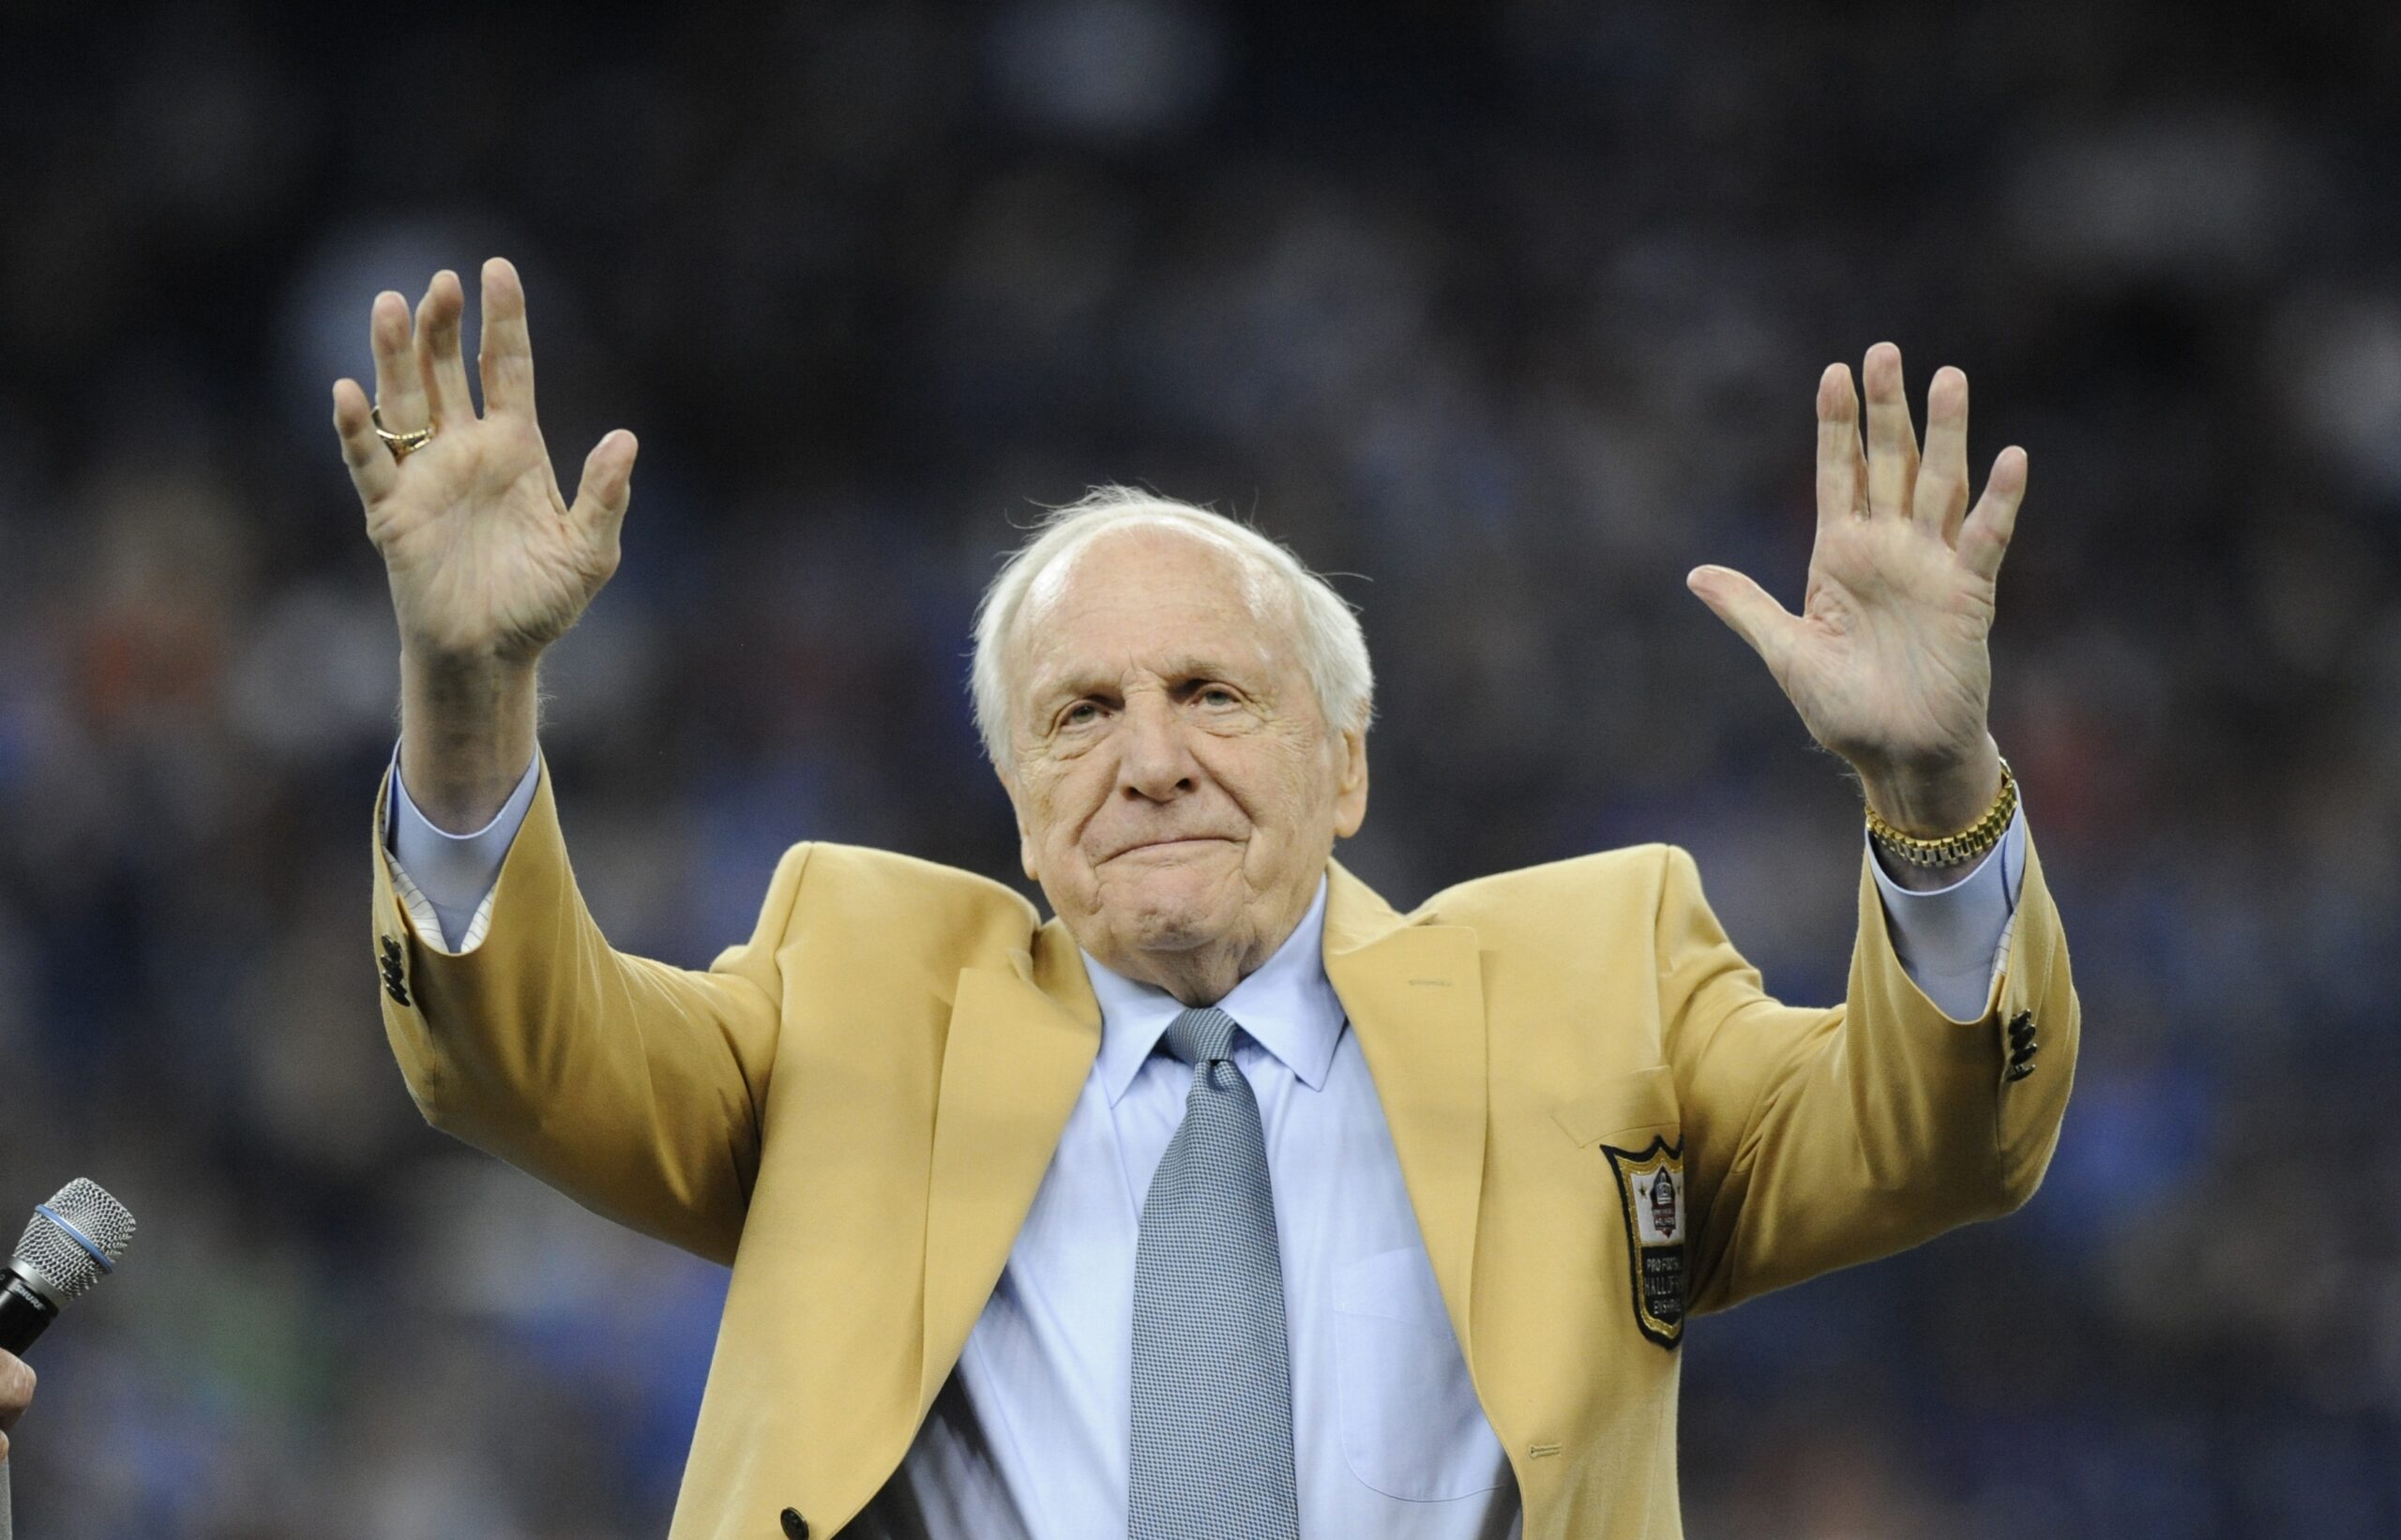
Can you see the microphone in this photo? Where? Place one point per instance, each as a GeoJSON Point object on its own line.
{"type": "Point", "coordinates": [71, 1244]}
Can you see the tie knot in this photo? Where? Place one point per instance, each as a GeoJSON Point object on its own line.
{"type": "Point", "coordinates": [1202, 1036]}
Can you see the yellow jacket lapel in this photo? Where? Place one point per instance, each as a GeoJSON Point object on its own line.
{"type": "Point", "coordinates": [1022, 1041]}
{"type": "Point", "coordinates": [1416, 998]}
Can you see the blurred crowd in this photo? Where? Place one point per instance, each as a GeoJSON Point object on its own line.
{"type": "Point", "coordinates": [1508, 313]}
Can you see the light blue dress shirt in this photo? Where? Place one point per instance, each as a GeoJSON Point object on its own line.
{"type": "Point", "coordinates": [1028, 1439]}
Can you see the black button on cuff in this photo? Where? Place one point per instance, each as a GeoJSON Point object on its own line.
{"type": "Point", "coordinates": [387, 962]}
{"type": "Point", "coordinates": [795, 1525]}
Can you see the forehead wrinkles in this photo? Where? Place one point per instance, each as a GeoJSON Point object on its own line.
{"type": "Point", "coordinates": [1257, 581]}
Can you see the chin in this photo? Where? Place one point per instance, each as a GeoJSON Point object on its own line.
{"type": "Point", "coordinates": [1176, 907]}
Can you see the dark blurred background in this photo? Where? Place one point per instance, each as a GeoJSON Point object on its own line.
{"type": "Point", "coordinates": [1511, 310]}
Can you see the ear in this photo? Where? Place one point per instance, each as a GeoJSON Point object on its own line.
{"type": "Point", "coordinates": [1025, 836]}
{"type": "Point", "coordinates": [1351, 793]}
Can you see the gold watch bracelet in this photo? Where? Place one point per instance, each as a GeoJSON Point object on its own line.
{"type": "Point", "coordinates": [1950, 850]}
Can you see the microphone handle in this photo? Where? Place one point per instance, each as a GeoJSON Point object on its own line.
{"type": "Point", "coordinates": [23, 1315]}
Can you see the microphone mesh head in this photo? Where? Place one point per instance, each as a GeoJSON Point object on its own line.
{"type": "Point", "coordinates": [52, 1250]}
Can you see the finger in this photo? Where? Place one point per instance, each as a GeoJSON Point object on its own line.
{"type": "Point", "coordinates": [607, 487]}
{"type": "Point", "coordinates": [16, 1391]}
{"type": "Point", "coordinates": [372, 469]}
{"type": "Point", "coordinates": [1841, 473]}
{"type": "Point", "coordinates": [1984, 540]}
{"type": "Point", "coordinates": [1746, 607]}
{"type": "Point", "coordinates": [438, 360]}
{"type": "Point", "coordinates": [1892, 443]}
{"type": "Point", "coordinates": [400, 389]}
{"type": "Point", "coordinates": [506, 363]}
{"type": "Point", "coordinates": [1940, 500]}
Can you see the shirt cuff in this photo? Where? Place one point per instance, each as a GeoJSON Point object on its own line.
{"type": "Point", "coordinates": [448, 878]}
{"type": "Point", "coordinates": [1952, 941]}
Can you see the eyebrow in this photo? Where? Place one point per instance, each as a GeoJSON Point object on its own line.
{"type": "Point", "coordinates": [1176, 670]}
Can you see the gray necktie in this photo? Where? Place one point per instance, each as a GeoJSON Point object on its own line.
{"type": "Point", "coordinates": [1213, 1375]}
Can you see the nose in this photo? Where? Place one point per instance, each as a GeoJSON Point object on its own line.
{"type": "Point", "coordinates": [1156, 764]}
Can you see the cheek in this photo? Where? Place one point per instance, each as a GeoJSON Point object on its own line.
{"type": "Point", "coordinates": [1057, 806]}
{"type": "Point", "coordinates": [1281, 784]}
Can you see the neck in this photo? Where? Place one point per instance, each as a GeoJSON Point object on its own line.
{"type": "Point", "coordinates": [1195, 978]}
{"type": "Point", "coordinates": [1203, 975]}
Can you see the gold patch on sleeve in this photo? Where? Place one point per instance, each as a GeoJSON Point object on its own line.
{"type": "Point", "coordinates": [1651, 1191]}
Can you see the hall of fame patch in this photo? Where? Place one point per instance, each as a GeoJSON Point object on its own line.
{"type": "Point", "coordinates": [1650, 1190]}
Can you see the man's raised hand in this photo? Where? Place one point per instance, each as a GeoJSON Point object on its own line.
{"type": "Point", "coordinates": [487, 560]}
{"type": "Point", "coordinates": [1887, 663]}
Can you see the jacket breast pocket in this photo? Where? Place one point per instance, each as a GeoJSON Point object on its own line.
{"type": "Point", "coordinates": [1411, 1427]}
{"type": "Point", "coordinates": [1623, 1105]}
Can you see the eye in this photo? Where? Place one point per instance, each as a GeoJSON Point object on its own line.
{"type": "Point", "coordinates": [1218, 695]}
{"type": "Point", "coordinates": [1081, 713]}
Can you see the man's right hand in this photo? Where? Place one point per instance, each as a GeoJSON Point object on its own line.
{"type": "Point", "coordinates": [489, 563]}
{"type": "Point", "coordinates": [16, 1393]}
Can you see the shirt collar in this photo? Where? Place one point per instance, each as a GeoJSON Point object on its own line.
{"type": "Point", "coordinates": [1287, 1007]}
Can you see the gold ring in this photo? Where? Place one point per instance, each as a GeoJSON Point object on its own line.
{"type": "Point", "coordinates": [402, 445]}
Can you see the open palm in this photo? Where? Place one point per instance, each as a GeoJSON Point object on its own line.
{"type": "Point", "coordinates": [1887, 661]}
{"type": "Point", "coordinates": [485, 557]}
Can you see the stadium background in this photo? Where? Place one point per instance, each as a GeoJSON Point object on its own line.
{"type": "Point", "coordinates": [1515, 311]}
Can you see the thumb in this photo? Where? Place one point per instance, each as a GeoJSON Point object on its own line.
{"type": "Point", "coordinates": [607, 487]}
{"type": "Point", "coordinates": [1743, 605]}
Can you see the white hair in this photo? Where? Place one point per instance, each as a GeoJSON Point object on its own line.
{"type": "Point", "coordinates": [1334, 651]}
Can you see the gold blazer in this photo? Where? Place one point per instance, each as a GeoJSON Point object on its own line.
{"type": "Point", "coordinates": [1603, 1122]}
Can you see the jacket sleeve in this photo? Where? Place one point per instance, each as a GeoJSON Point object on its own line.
{"type": "Point", "coordinates": [1817, 1138]}
{"type": "Point", "coordinates": [634, 1087]}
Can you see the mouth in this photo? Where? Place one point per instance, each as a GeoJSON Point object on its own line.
{"type": "Point", "coordinates": [1182, 845]}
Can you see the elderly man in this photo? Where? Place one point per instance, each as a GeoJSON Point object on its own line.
{"type": "Point", "coordinates": [1230, 1201]}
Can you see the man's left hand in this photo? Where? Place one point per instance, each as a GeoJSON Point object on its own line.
{"type": "Point", "coordinates": [1886, 662]}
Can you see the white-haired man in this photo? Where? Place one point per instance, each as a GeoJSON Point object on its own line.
{"type": "Point", "coordinates": [1230, 1201]}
